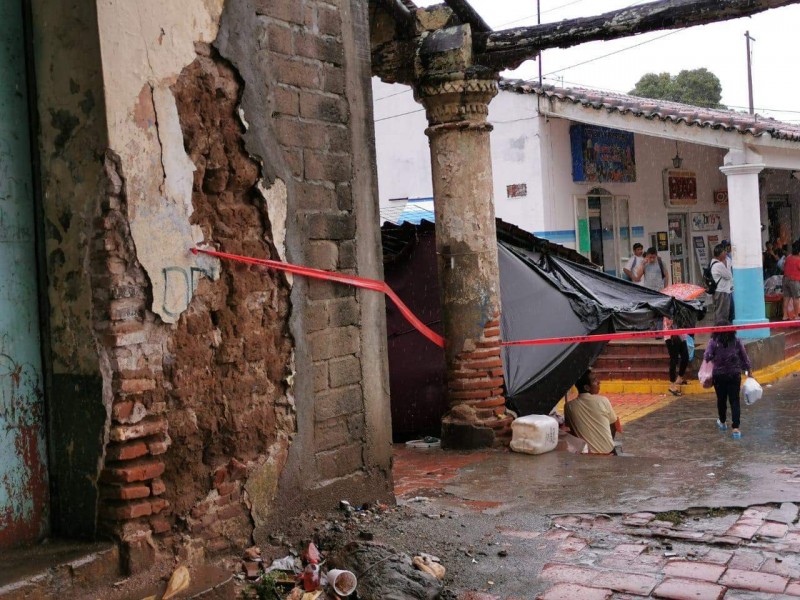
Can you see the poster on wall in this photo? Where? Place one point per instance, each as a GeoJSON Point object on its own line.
{"type": "Point", "coordinates": [700, 250]}
{"type": "Point", "coordinates": [600, 154]}
{"type": "Point", "coordinates": [706, 221]}
{"type": "Point", "coordinates": [680, 187]}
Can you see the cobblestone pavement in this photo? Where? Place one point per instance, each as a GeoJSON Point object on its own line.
{"type": "Point", "coordinates": [722, 520]}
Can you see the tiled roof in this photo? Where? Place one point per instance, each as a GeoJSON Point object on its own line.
{"type": "Point", "coordinates": [663, 110]}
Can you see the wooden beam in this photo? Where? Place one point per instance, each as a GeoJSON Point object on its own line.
{"type": "Point", "coordinates": [398, 10]}
{"type": "Point", "coordinates": [468, 15]}
{"type": "Point", "coordinates": [508, 48]}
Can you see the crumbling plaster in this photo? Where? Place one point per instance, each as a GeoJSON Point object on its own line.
{"type": "Point", "coordinates": [145, 45]}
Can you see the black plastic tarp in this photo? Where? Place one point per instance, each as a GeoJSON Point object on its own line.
{"type": "Point", "coordinates": [543, 295]}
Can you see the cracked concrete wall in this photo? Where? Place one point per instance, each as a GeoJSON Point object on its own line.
{"type": "Point", "coordinates": [145, 45]}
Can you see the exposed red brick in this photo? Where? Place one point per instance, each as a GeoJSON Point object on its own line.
{"type": "Point", "coordinates": [127, 472]}
{"type": "Point", "coordinates": [469, 395]}
{"type": "Point", "coordinates": [157, 487]}
{"type": "Point", "coordinates": [490, 403]}
{"type": "Point", "coordinates": [121, 433]}
{"type": "Point", "coordinates": [128, 451]}
{"type": "Point", "coordinates": [157, 446]}
{"type": "Point", "coordinates": [475, 384]}
{"type": "Point", "coordinates": [158, 505]}
{"type": "Point", "coordinates": [482, 364]}
{"type": "Point", "coordinates": [124, 492]}
{"type": "Point", "coordinates": [160, 525]}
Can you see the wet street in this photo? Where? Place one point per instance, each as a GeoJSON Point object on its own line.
{"type": "Point", "coordinates": [686, 512]}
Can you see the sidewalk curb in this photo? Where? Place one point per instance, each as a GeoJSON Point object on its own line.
{"type": "Point", "coordinates": [769, 374]}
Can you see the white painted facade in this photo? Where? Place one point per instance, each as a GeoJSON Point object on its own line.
{"type": "Point", "coordinates": [531, 146]}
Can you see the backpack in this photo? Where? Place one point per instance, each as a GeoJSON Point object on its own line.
{"type": "Point", "coordinates": [708, 279]}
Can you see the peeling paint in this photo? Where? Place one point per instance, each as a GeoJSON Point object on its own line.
{"type": "Point", "coordinates": [158, 172]}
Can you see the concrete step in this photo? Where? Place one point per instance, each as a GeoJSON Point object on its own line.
{"type": "Point", "coordinates": [56, 569]}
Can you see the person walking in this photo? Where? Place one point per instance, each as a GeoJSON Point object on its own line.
{"type": "Point", "coordinates": [791, 283]}
{"type": "Point", "coordinates": [730, 360]}
{"type": "Point", "coordinates": [723, 295]}
{"type": "Point", "coordinates": [678, 359]}
{"type": "Point", "coordinates": [651, 272]}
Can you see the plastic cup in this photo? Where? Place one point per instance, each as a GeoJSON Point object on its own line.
{"type": "Point", "coordinates": [343, 582]}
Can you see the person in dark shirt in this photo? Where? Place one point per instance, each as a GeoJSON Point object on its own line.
{"type": "Point", "coordinates": [770, 260]}
{"type": "Point", "coordinates": [730, 359]}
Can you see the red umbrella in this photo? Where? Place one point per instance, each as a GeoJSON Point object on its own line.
{"type": "Point", "coordinates": [684, 291]}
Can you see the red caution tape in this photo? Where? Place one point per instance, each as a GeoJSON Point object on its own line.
{"type": "Point", "coordinates": [632, 335]}
{"type": "Point", "coordinates": [359, 282]}
{"type": "Point", "coordinates": [381, 286]}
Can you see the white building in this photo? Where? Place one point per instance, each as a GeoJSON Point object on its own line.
{"type": "Point", "coordinates": [599, 171]}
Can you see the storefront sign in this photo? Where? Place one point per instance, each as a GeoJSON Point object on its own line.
{"type": "Point", "coordinates": [680, 187]}
{"type": "Point", "coordinates": [600, 154]}
{"type": "Point", "coordinates": [706, 221]}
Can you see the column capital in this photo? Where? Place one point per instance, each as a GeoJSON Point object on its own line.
{"type": "Point", "coordinates": [750, 169]}
{"type": "Point", "coordinates": [456, 99]}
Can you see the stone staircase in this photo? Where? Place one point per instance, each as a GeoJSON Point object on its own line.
{"type": "Point", "coordinates": [635, 361]}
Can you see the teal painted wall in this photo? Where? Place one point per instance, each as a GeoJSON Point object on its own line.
{"type": "Point", "coordinates": [23, 470]}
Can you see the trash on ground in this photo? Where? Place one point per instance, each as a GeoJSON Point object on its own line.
{"type": "Point", "coordinates": [429, 564]}
{"type": "Point", "coordinates": [178, 582]}
{"type": "Point", "coordinates": [426, 443]}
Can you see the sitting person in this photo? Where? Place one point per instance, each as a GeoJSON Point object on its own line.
{"type": "Point", "coordinates": [591, 417]}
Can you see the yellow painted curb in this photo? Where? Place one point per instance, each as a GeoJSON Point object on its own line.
{"type": "Point", "coordinates": [769, 374]}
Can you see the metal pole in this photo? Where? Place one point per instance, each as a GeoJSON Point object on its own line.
{"type": "Point", "coordinates": [539, 22]}
{"type": "Point", "coordinates": [749, 71]}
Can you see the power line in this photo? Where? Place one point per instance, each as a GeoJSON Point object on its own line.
{"type": "Point", "coordinates": [411, 112]}
{"type": "Point", "coordinates": [555, 8]}
{"type": "Point", "coordinates": [615, 52]}
{"type": "Point", "coordinates": [391, 95]}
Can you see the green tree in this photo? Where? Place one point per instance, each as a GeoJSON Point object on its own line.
{"type": "Point", "coordinates": [699, 87]}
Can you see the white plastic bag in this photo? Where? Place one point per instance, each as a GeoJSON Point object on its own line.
{"type": "Point", "coordinates": [751, 391]}
{"type": "Point", "coordinates": [706, 374]}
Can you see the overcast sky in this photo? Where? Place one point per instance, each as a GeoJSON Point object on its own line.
{"type": "Point", "coordinates": [719, 47]}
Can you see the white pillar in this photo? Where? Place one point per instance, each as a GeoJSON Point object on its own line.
{"type": "Point", "coordinates": [745, 219]}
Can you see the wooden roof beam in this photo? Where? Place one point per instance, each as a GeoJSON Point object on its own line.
{"type": "Point", "coordinates": [468, 15]}
{"type": "Point", "coordinates": [510, 47]}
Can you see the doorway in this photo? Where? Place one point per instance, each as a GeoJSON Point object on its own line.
{"type": "Point", "coordinates": [603, 229]}
{"type": "Point", "coordinates": [779, 216]}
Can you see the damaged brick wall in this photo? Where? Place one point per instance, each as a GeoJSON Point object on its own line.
{"type": "Point", "coordinates": [264, 395]}
{"type": "Point", "coordinates": [231, 353]}
{"type": "Point", "coordinates": [131, 346]}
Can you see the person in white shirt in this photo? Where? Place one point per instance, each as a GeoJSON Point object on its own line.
{"type": "Point", "coordinates": [723, 295]}
{"type": "Point", "coordinates": [633, 262]}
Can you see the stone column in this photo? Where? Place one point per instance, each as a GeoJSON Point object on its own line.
{"type": "Point", "coordinates": [745, 218]}
{"type": "Point", "coordinates": [466, 244]}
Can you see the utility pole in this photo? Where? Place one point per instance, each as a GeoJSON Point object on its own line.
{"type": "Point", "coordinates": [539, 22]}
{"type": "Point", "coordinates": [749, 71]}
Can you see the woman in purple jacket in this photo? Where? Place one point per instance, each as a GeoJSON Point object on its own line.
{"type": "Point", "coordinates": [730, 360]}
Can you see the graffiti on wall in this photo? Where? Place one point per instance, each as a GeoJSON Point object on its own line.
{"type": "Point", "coordinates": [180, 283]}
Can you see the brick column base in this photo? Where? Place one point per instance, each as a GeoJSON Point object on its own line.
{"type": "Point", "coordinates": [477, 416]}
